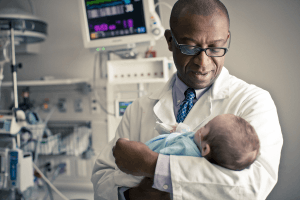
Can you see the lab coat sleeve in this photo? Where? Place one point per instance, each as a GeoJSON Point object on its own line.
{"type": "Point", "coordinates": [106, 177]}
{"type": "Point", "coordinates": [196, 178]}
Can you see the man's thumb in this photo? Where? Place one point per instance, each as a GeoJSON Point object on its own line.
{"type": "Point", "coordinates": [123, 139]}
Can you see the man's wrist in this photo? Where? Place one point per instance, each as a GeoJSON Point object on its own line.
{"type": "Point", "coordinates": [151, 163]}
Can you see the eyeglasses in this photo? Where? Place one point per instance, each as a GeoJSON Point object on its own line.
{"type": "Point", "coordinates": [194, 50]}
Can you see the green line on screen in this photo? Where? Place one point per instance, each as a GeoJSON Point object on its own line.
{"type": "Point", "coordinates": [98, 1]}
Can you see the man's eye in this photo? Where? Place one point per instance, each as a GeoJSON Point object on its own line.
{"type": "Point", "coordinates": [215, 50]}
{"type": "Point", "coordinates": [189, 47]}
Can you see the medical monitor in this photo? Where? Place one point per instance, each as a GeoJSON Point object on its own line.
{"type": "Point", "coordinates": [121, 106]}
{"type": "Point", "coordinates": [118, 23]}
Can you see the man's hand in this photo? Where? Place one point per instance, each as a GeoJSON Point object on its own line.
{"type": "Point", "coordinates": [144, 191]}
{"type": "Point", "coordinates": [135, 158]}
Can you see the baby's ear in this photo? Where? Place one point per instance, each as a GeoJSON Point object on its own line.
{"type": "Point", "coordinates": [205, 149]}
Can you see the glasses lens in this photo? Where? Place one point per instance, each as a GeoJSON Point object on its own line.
{"type": "Point", "coordinates": [189, 50]}
{"type": "Point", "coordinates": [215, 52]}
{"type": "Point", "coordinates": [192, 50]}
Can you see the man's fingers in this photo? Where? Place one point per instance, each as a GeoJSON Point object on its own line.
{"type": "Point", "coordinates": [123, 139]}
{"type": "Point", "coordinates": [119, 140]}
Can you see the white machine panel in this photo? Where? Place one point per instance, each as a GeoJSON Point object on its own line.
{"type": "Point", "coordinates": [148, 70]}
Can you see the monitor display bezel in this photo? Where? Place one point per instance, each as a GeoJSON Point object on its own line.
{"type": "Point", "coordinates": [148, 6]}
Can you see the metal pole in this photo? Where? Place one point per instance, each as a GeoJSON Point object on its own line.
{"type": "Point", "coordinates": [13, 62]}
{"type": "Point", "coordinates": [14, 73]}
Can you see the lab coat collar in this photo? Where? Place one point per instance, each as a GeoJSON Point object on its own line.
{"type": "Point", "coordinates": [164, 109]}
{"type": "Point", "coordinates": [219, 90]}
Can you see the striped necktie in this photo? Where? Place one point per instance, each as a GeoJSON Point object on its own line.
{"type": "Point", "coordinates": [186, 105]}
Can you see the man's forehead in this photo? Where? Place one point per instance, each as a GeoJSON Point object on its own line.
{"type": "Point", "coordinates": [192, 25]}
{"type": "Point", "coordinates": [187, 20]}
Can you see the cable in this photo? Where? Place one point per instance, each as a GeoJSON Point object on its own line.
{"type": "Point", "coordinates": [3, 48]}
{"type": "Point", "coordinates": [49, 183]}
{"type": "Point", "coordinates": [94, 86]}
{"type": "Point", "coordinates": [98, 100]}
{"type": "Point", "coordinates": [49, 115]}
{"type": "Point", "coordinates": [1, 77]}
{"type": "Point", "coordinates": [164, 3]}
{"type": "Point", "coordinates": [32, 7]}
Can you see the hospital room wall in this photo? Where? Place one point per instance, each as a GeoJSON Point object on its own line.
{"type": "Point", "coordinates": [264, 51]}
{"type": "Point", "coordinates": [264, 47]}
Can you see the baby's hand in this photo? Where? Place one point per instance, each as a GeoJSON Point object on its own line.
{"type": "Point", "coordinates": [173, 128]}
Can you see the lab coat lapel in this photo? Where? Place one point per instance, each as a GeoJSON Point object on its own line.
{"type": "Point", "coordinates": [200, 111]}
{"type": "Point", "coordinates": [164, 109]}
{"type": "Point", "coordinates": [203, 107]}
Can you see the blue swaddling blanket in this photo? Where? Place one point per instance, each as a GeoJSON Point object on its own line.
{"type": "Point", "coordinates": [175, 144]}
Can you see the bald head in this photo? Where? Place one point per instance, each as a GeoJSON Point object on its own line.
{"type": "Point", "coordinates": [197, 7]}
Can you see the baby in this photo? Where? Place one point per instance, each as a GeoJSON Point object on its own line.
{"type": "Point", "coordinates": [227, 140]}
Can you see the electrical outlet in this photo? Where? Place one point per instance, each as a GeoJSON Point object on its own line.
{"type": "Point", "coordinates": [95, 106]}
{"type": "Point", "coordinates": [62, 105]}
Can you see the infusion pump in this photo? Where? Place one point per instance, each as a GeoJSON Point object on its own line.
{"type": "Point", "coordinates": [15, 169]}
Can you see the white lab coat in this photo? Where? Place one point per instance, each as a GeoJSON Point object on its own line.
{"type": "Point", "coordinates": [195, 177]}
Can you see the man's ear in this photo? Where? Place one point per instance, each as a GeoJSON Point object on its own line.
{"type": "Point", "coordinates": [168, 37]}
{"type": "Point", "coordinates": [205, 149]}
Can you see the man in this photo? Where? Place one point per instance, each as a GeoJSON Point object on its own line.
{"type": "Point", "coordinates": [201, 90]}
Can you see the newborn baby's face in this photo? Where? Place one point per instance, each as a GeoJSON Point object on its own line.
{"type": "Point", "coordinates": [217, 123]}
{"type": "Point", "coordinates": [203, 131]}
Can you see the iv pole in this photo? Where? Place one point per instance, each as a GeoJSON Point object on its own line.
{"type": "Point", "coordinates": [14, 68]}
{"type": "Point", "coordinates": [13, 64]}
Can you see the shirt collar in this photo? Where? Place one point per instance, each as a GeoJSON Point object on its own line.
{"type": "Point", "coordinates": [181, 87]}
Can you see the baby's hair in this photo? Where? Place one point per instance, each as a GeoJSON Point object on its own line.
{"type": "Point", "coordinates": [235, 146]}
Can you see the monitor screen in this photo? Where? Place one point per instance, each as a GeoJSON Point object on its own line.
{"type": "Point", "coordinates": [119, 24]}
{"type": "Point", "coordinates": [113, 18]}
{"type": "Point", "coordinates": [122, 106]}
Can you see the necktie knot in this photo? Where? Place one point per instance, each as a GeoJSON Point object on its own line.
{"type": "Point", "coordinates": [186, 105]}
{"type": "Point", "coordinates": [190, 94]}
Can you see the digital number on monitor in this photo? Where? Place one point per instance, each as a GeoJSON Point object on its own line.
{"type": "Point", "coordinates": [111, 18]}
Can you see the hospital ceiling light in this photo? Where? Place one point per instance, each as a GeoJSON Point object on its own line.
{"type": "Point", "coordinates": [28, 28]}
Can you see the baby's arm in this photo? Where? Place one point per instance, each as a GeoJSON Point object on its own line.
{"type": "Point", "coordinates": [166, 129]}
{"type": "Point", "coordinates": [162, 128]}
{"type": "Point", "coordinates": [174, 127]}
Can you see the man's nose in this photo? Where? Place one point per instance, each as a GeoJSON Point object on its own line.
{"type": "Point", "coordinates": [202, 60]}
